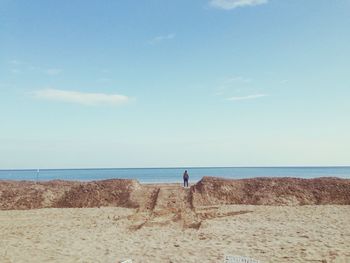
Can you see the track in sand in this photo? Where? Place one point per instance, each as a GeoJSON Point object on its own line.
{"type": "Point", "coordinates": [172, 203]}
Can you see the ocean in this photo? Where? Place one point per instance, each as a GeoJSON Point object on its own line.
{"type": "Point", "coordinates": [171, 175]}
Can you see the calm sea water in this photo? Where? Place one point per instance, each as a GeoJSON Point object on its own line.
{"type": "Point", "coordinates": [152, 175]}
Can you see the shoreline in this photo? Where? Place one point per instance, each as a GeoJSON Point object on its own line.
{"type": "Point", "coordinates": [172, 175]}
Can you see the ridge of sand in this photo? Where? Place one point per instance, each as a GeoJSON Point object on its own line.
{"type": "Point", "coordinates": [208, 191]}
{"type": "Point", "coordinates": [164, 204]}
{"type": "Point", "coordinates": [272, 191]}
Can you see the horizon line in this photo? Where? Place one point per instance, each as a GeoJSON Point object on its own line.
{"type": "Point", "coordinates": [178, 167]}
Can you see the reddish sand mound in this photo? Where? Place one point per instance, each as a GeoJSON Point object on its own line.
{"type": "Point", "coordinates": [100, 193]}
{"type": "Point", "coordinates": [271, 191]}
{"type": "Point", "coordinates": [208, 191]}
{"type": "Point", "coordinates": [31, 195]}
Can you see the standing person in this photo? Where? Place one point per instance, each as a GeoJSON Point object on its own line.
{"type": "Point", "coordinates": [185, 177]}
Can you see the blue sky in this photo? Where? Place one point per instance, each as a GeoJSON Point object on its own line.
{"type": "Point", "coordinates": [174, 83]}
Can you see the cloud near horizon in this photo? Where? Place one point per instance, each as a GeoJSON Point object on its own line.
{"type": "Point", "coordinates": [248, 97]}
{"type": "Point", "coordinates": [84, 98]}
{"type": "Point", "coordinates": [232, 4]}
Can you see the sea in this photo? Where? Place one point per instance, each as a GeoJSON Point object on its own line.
{"type": "Point", "coordinates": [172, 175]}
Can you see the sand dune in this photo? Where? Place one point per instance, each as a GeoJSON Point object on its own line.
{"type": "Point", "coordinates": [272, 191]}
{"type": "Point", "coordinates": [208, 191]}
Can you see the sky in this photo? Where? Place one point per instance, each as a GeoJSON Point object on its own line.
{"type": "Point", "coordinates": [163, 83]}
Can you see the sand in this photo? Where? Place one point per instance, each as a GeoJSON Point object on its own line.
{"type": "Point", "coordinates": [167, 223]}
{"type": "Point", "coordinates": [267, 233]}
{"type": "Point", "coordinates": [208, 191]}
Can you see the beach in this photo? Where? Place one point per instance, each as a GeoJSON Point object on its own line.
{"type": "Point", "coordinates": [212, 131]}
{"type": "Point", "coordinates": [267, 233]}
{"type": "Point", "coordinates": [167, 223]}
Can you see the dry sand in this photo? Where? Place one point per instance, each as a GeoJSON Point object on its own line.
{"type": "Point", "coordinates": [272, 220]}
{"type": "Point", "coordinates": [268, 233]}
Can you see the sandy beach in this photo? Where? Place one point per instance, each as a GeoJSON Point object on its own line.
{"type": "Point", "coordinates": [211, 131]}
{"type": "Point", "coordinates": [267, 233]}
{"type": "Point", "coordinates": [177, 225]}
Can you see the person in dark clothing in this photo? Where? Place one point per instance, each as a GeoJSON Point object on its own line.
{"type": "Point", "coordinates": [185, 177]}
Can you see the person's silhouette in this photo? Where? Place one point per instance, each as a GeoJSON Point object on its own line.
{"type": "Point", "coordinates": [186, 177]}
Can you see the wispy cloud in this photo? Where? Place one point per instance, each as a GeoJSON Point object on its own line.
{"type": "Point", "coordinates": [16, 66]}
{"type": "Point", "coordinates": [234, 84]}
{"type": "Point", "coordinates": [159, 39]}
{"type": "Point", "coordinates": [84, 98]}
{"type": "Point", "coordinates": [248, 97]}
{"type": "Point", "coordinates": [22, 66]}
{"type": "Point", "coordinates": [16, 62]}
{"type": "Point", "coordinates": [238, 79]}
{"type": "Point", "coordinates": [15, 71]}
{"type": "Point", "coordinates": [232, 4]}
{"type": "Point", "coordinates": [104, 80]}
{"type": "Point", "coordinates": [52, 71]}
